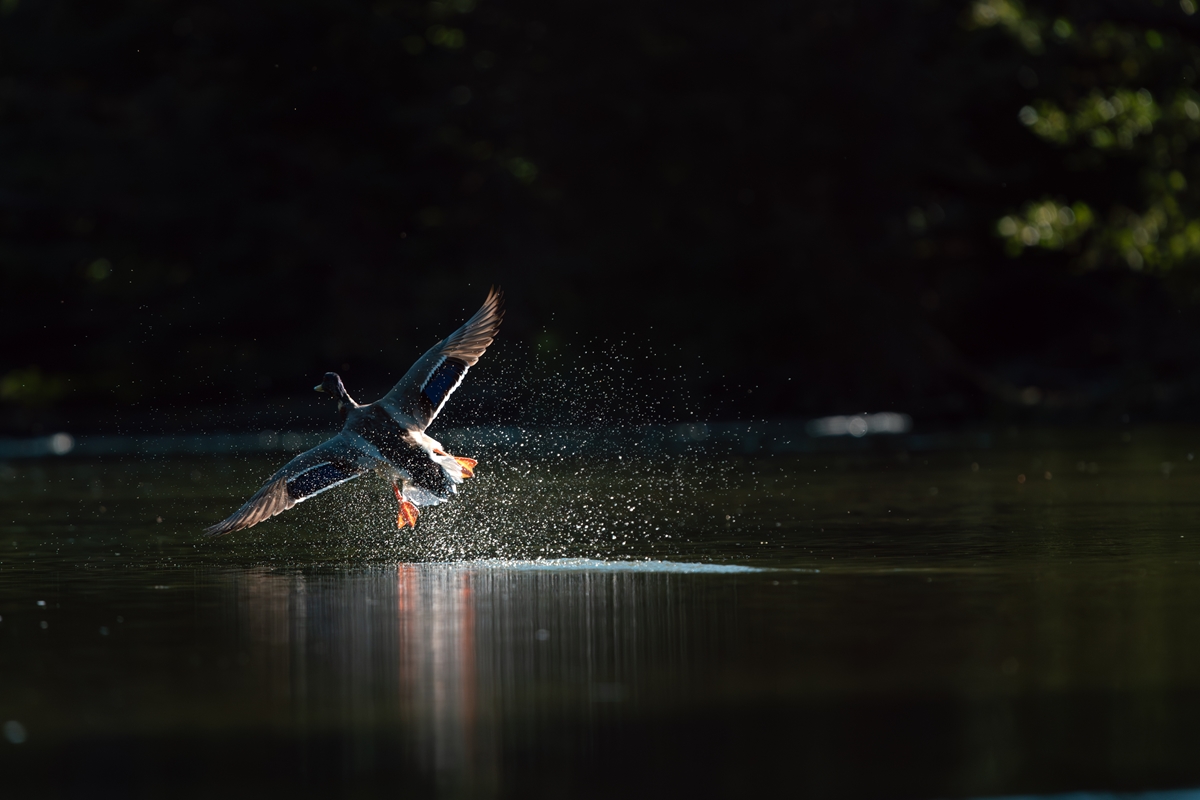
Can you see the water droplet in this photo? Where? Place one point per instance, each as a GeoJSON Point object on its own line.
{"type": "Point", "coordinates": [14, 731]}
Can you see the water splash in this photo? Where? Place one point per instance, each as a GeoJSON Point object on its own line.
{"type": "Point", "coordinates": [592, 565]}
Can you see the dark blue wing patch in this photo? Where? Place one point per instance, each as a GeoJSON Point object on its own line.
{"type": "Point", "coordinates": [441, 383]}
{"type": "Point", "coordinates": [317, 480]}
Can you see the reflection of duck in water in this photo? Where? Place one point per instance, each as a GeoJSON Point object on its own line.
{"type": "Point", "coordinates": [387, 436]}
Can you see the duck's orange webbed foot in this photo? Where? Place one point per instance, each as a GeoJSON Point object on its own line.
{"type": "Point", "coordinates": [407, 516]}
{"type": "Point", "coordinates": [467, 464]}
{"type": "Point", "coordinates": [408, 512]}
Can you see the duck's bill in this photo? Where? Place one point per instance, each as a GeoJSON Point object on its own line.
{"type": "Point", "coordinates": [318, 388]}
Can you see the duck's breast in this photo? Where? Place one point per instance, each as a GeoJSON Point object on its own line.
{"type": "Point", "coordinates": [408, 451]}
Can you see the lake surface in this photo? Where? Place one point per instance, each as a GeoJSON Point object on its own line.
{"type": "Point", "coordinates": [1023, 619]}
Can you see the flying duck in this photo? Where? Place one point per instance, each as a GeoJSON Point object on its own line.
{"type": "Point", "coordinates": [387, 436]}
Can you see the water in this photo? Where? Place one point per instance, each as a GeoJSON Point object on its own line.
{"type": "Point", "coordinates": [858, 625]}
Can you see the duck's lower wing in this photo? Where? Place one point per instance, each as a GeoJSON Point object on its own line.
{"type": "Point", "coordinates": [307, 475]}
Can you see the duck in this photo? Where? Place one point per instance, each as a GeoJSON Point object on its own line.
{"type": "Point", "coordinates": [386, 437]}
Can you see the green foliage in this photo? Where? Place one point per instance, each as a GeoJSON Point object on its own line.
{"type": "Point", "coordinates": [1121, 98]}
{"type": "Point", "coordinates": [30, 387]}
{"type": "Point", "coordinates": [1046, 224]}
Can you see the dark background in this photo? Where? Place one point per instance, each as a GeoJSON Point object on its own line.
{"type": "Point", "coordinates": [771, 209]}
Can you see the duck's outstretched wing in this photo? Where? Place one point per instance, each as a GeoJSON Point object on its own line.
{"type": "Point", "coordinates": [327, 465]}
{"type": "Point", "coordinates": [424, 389]}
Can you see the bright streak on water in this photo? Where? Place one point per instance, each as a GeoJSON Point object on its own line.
{"type": "Point", "coordinates": [58, 444]}
{"type": "Point", "coordinates": [860, 425]}
{"type": "Point", "coordinates": [593, 565]}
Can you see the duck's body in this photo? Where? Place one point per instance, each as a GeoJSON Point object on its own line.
{"type": "Point", "coordinates": [387, 436]}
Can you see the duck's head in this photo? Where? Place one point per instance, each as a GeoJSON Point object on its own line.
{"type": "Point", "coordinates": [332, 384]}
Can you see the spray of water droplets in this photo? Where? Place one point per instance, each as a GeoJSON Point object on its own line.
{"type": "Point", "coordinates": [576, 459]}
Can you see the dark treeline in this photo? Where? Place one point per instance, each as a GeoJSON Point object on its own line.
{"type": "Point", "coordinates": [791, 208]}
